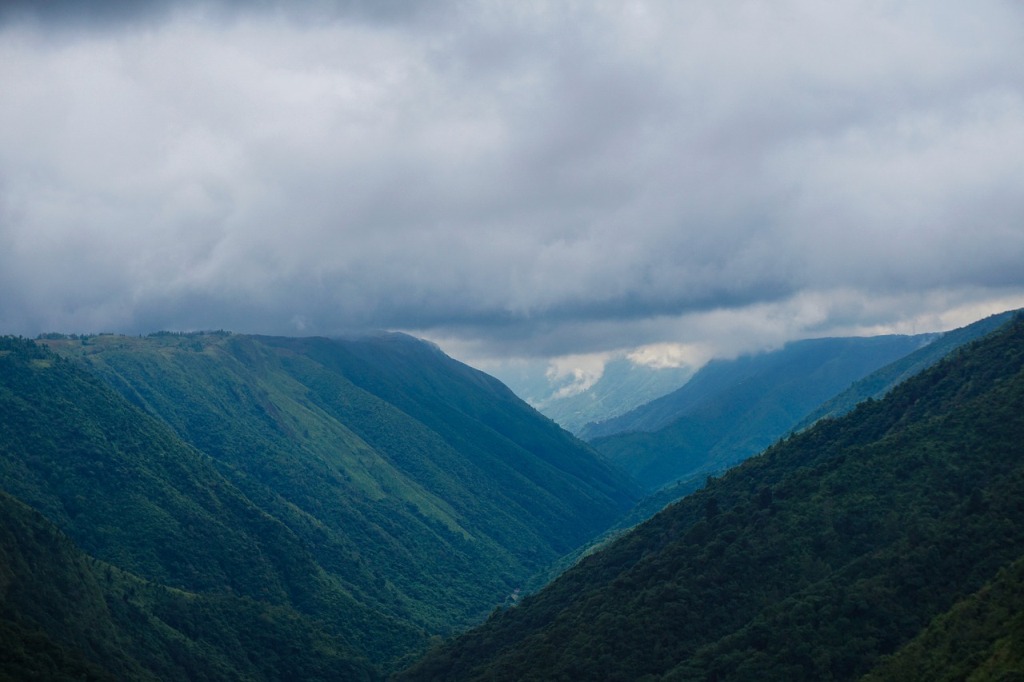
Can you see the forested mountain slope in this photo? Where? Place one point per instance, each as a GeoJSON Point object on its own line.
{"type": "Point", "coordinates": [128, 491]}
{"type": "Point", "coordinates": [809, 562]}
{"type": "Point", "coordinates": [376, 487]}
{"type": "Point", "coordinates": [881, 381]}
{"type": "Point", "coordinates": [732, 409]}
{"type": "Point", "coordinates": [875, 386]}
{"type": "Point", "coordinates": [66, 616]}
{"type": "Point", "coordinates": [980, 639]}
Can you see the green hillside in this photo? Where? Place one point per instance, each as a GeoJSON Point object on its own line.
{"type": "Point", "coordinates": [377, 488]}
{"type": "Point", "coordinates": [732, 409]}
{"type": "Point", "coordinates": [127, 491]}
{"type": "Point", "coordinates": [812, 561]}
{"type": "Point", "coordinates": [67, 616]}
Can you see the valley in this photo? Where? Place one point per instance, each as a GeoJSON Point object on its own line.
{"type": "Point", "coordinates": [406, 341]}
{"type": "Point", "coordinates": [226, 506]}
{"type": "Point", "coordinates": [821, 558]}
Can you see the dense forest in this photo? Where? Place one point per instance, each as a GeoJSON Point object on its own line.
{"type": "Point", "coordinates": [67, 616]}
{"type": "Point", "coordinates": [224, 507]}
{"type": "Point", "coordinates": [866, 545]}
{"type": "Point", "coordinates": [339, 503]}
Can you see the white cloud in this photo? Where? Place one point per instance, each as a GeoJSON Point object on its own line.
{"type": "Point", "coordinates": [574, 374]}
{"type": "Point", "coordinates": [518, 178]}
{"type": "Point", "coordinates": [666, 355]}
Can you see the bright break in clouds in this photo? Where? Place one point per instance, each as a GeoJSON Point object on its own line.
{"type": "Point", "coordinates": [512, 178]}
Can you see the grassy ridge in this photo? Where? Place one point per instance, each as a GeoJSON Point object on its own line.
{"type": "Point", "coordinates": [423, 483]}
{"type": "Point", "coordinates": [128, 491]}
{"type": "Point", "coordinates": [378, 494]}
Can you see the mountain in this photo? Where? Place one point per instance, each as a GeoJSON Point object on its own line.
{"type": "Point", "coordinates": [129, 492]}
{"type": "Point", "coordinates": [623, 386]}
{"type": "Point", "coordinates": [827, 364]}
{"type": "Point", "coordinates": [67, 616]}
{"type": "Point", "coordinates": [732, 409]}
{"type": "Point", "coordinates": [880, 382]}
{"type": "Point", "coordinates": [374, 487]}
{"type": "Point", "coordinates": [813, 561]}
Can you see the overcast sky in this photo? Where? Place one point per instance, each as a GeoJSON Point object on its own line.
{"type": "Point", "coordinates": [512, 178]}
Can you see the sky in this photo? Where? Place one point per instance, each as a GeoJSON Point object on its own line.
{"type": "Point", "coordinates": [552, 182]}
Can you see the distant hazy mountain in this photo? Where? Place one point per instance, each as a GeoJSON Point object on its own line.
{"type": "Point", "coordinates": [573, 403]}
{"type": "Point", "coordinates": [623, 386]}
{"type": "Point", "coordinates": [833, 549]}
{"type": "Point", "coordinates": [732, 409]}
{"type": "Point", "coordinates": [880, 382]}
{"type": "Point", "coordinates": [371, 493]}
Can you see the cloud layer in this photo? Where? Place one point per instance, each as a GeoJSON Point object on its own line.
{"type": "Point", "coordinates": [511, 177]}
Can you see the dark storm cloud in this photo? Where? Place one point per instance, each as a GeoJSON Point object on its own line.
{"type": "Point", "coordinates": [114, 13]}
{"type": "Point", "coordinates": [78, 12]}
{"type": "Point", "coordinates": [517, 177]}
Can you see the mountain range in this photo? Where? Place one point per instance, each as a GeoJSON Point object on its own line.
{"type": "Point", "coordinates": [219, 506]}
{"type": "Point", "coordinates": [732, 409]}
{"type": "Point", "coordinates": [886, 542]}
{"type": "Point", "coordinates": [624, 384]}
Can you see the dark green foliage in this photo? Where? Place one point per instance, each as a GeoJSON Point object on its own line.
{"type": "Point", "coordinates": [76, 451]}
{"type": "Point", "coordinates": [383, 448]}
{"type": "Point", "coordinates": [733, 409]}
{"type": "Point", "coordinates": [379, 489]}
{"type": "Point", "coordinates": [980, 639]}
{"type": "Point", "coordinates": [32, 655]}
{"type": "Point", "coordinates": [64, 615]}
{"type": "Point", "coordinates": [128, 491]}
{"type": "Point", "coordinates": [809, 562]}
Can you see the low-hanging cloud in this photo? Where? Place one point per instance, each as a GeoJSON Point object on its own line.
{"type": "Point", "coordinates": [517, 177]}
